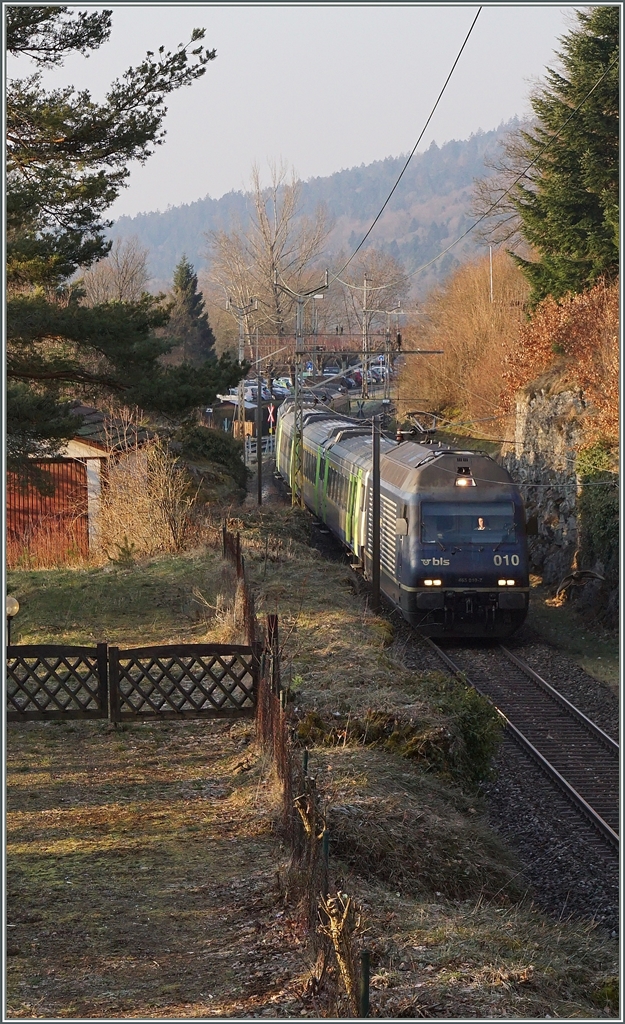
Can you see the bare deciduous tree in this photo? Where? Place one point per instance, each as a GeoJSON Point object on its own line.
{"type": "Point", "coordinates": [502, 223]}
{"type": "Point", "coordinates": [121, 277]}
{"type": "Point", "coordinates": [387, 285]}
{"type": "Point", "coordinates": [477, 336]}
{"type": "Point", "coordinates": [279, 245]}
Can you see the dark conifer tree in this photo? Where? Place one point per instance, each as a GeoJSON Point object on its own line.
{"type": "Point", "coordinates": [68, 157]}
{"type": "Point", "coordinates": [569, 200]}
{"type": "Point", "coordinates": [188, 325]}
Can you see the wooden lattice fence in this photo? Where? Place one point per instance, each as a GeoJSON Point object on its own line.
{"type": "Point", "coordinates": [53, 681]}
{"type": "Point", "coordinates": [175, 681]}
{"type": "Point", "coordinates": [184, 680]}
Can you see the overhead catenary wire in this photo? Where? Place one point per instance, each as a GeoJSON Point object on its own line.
{"type": "Point", "coordinates": [414, 148]}
{"type": "Point", "coordinates": [574, 482]}
{"type": "Point", "coordinates": [336, 277]}
{"type": "Point", "coordinates": [518, 178]}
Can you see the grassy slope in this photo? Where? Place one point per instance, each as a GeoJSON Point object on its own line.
{"type": "Point", "coordinates": [164, 600]}
{"type": "Point", "coordinates": [491, 954]}
{"type": "Point", "coordinates": [450, 932]}
{"type": "Point", "coordinates": [596, 650]}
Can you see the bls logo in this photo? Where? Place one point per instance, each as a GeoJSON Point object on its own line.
{"type": "Point", "coordinates": [435, 561]}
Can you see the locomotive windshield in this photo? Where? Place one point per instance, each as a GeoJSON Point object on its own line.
{"type": "Point", "coordinates": [459, 522]}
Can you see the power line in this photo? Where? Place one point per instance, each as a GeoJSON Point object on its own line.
{"type": "Point", "coordinates": [440, 95]}
{"type": "Point", "coordinates": [516, 180]}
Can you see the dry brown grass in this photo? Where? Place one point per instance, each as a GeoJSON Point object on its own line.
{"type": "Point", "coordinates": [186, 598]}
{"type": "Point", "coordinates": [390, 821]}
{"type": "Point", "coordinates": [473, 959]}
{"type": "Point", "coordinates": [48, 544]}
{"type": "Point", "coordinates": [163, 830]}
{"type": "Point", "coordinates": [141, 874]}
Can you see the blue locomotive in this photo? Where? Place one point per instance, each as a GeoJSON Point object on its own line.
{"type": "Point", "coordinates": [453, 551]}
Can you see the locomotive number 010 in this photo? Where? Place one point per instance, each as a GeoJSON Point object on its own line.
{"type": "Point", "coordinates": [506, 559]}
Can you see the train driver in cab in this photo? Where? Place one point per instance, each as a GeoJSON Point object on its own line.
{"type": "Point", "coordinates": [481, 524]}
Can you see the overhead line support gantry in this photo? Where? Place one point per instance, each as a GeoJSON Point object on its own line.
{"type": "Point", "coordinates": [241, 313]}
{"type": "Point", "coordinates": [297, 454]}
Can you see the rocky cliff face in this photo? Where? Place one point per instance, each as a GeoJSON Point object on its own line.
{"type": "Point", "coordinates": [547, 431]}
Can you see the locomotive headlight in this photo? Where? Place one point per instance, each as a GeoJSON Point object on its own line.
{"type": "Point", "coordinates": [506, 583]}
{"type": "Point", "coordinates": [465, 481]}
{"type": "Point", "coordinates": [510, 582]}
{"type": "Point", "coordinates": [433, 583]}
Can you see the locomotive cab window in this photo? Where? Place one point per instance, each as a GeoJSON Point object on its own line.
{"type": "Point", "coordinates": [455, 522]}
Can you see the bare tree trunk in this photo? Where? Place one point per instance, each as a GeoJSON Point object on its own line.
{"type": "Point", "coordinates": [278, 242]}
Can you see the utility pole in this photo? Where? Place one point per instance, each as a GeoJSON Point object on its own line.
{"type": "Point", "coordinates": [259, 428]}
{"type": "Point", "coordinates": [297, 454]}
{"type": "Point", "coordinates": [375, 513]}
{"type": "Point", "coordinates": [387, 346]}
{"type": "Point", "coordinates": [365, 342]}
{"type": "Point", "coordinates": [316, 357]}
{"type": "Point", "coordinates": [241, 313]}
{"type": "Point", "coordinates": [491, 272]}
{"type": "Point", "coordinates": [387, 362]}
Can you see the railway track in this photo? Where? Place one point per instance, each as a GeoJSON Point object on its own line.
{"type": "Point", "coordinates": [581, 759]}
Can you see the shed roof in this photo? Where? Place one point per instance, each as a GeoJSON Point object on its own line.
{"type": "Point", "coordinates": [103, 431]}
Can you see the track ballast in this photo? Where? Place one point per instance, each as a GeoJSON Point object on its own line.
{"type": "Point", "coordinates": [576, 754]}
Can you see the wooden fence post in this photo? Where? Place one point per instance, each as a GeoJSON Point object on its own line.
{"type": "Point", "coordinates": [103, 679]}
{"type": "Point", "coordinates": [364, 983]}
{"type": "Point", "coordinates": [273, 643]}
{"type": "Point", "coordinates": [114, 702]}
{"type": "Point", "coordinates": [257, 668]}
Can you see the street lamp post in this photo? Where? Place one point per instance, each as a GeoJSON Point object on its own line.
{"type": "Point", "coordinates": [12, 608]}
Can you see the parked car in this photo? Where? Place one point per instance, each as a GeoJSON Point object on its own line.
{"type": "Point", "coordinates": [251, 394]}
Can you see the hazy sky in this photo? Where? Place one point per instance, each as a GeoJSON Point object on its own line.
{"type": "Point", "coordinates": [321, 86]}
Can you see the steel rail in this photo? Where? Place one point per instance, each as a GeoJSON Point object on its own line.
{"type": "Point", "coordinates": [592, 727]}
{"type": "Point", "coordinates": [602, 826]}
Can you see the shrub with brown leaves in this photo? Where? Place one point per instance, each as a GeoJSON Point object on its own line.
{"type": "Point", "coordinates": [581, 332]}
{"type": "Point", "coordinates": [476, 336]}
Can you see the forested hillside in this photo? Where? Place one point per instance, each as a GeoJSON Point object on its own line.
{"type": "Point", "coordinates": [429, 210]}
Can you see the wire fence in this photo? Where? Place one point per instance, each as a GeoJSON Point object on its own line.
{"type": "Point", "coordinates": [331, 922]}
